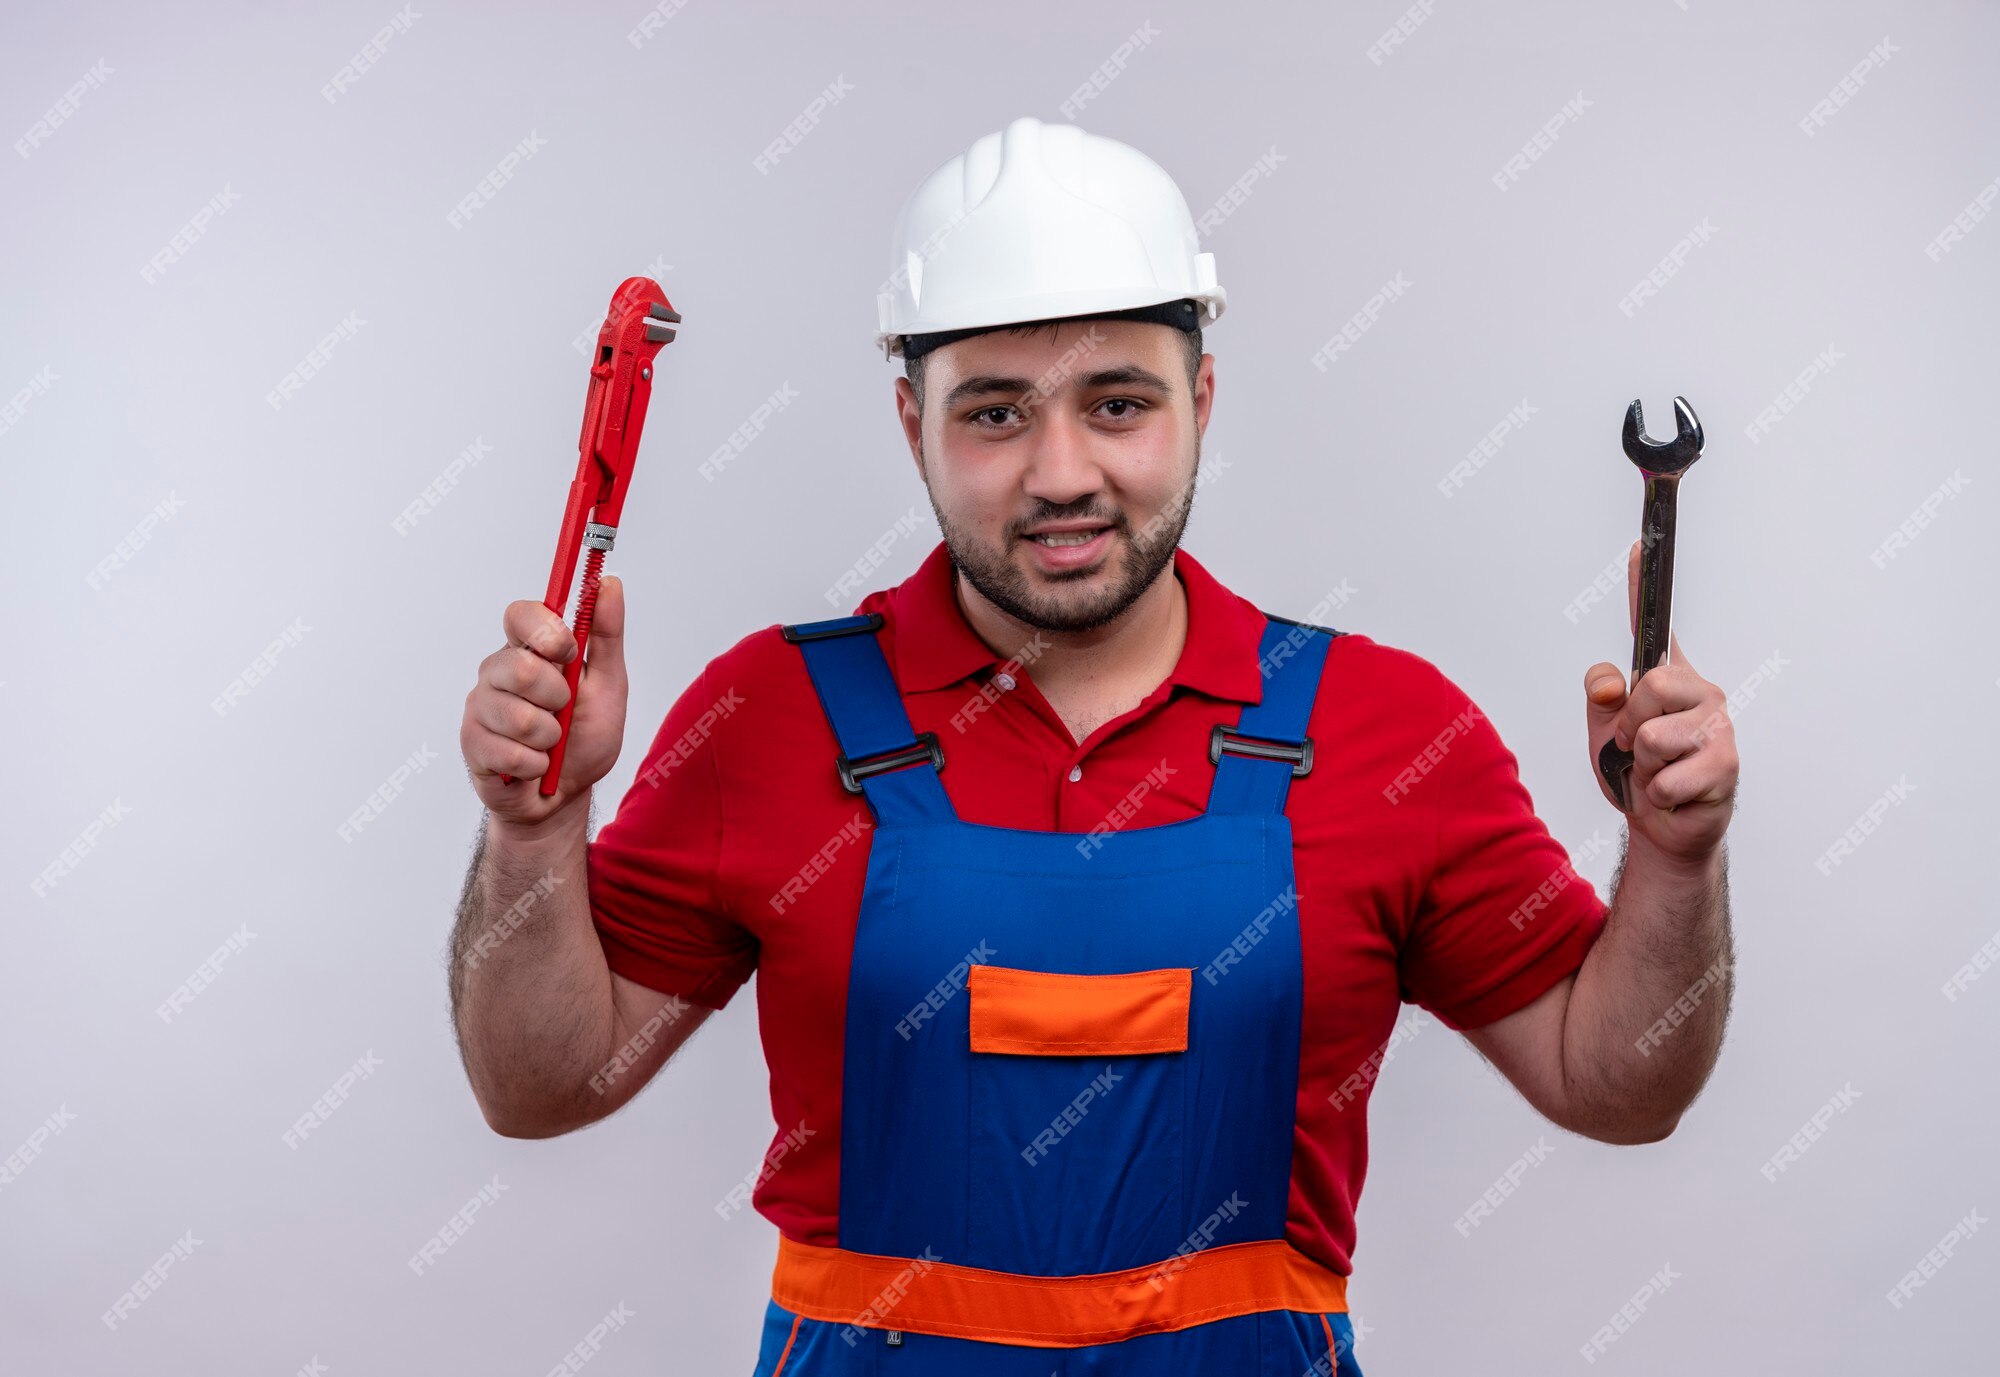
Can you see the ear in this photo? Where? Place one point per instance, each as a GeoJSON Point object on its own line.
{"type": "Point", "coordinates": [910, 416]}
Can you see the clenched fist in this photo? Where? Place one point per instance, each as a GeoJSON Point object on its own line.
{"type": "Point", "coordinates": [1677, 726]}
{"type": "Point", "coordinates": [510, 715]}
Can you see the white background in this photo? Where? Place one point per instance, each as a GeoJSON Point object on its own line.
{"type": "Point", "coordinates": [156, 393]}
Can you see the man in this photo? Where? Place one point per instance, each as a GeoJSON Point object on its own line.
{"type": "Point", "coordinates": [1083, 894]}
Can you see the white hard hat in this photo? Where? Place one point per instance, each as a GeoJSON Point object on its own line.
{"type": "Point", "coordinates": [1040, 222]}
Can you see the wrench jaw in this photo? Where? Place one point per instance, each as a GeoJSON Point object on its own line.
{"type": "Point", "coordinates": [1673, 456]}
{"type": "Point", "coordinates": [1616, 768]}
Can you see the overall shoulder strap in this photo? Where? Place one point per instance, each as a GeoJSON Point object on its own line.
{"type": "Point", "coordinates": [1257, 759]}
{"type": "Point", "coordinates": [881, 757]}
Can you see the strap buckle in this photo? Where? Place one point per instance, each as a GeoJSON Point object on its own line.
{"type": "Point", "coordinates": [853, 771]}
{"type": "Point", "coordinates": [819, 631]}
{"type": "Point", "coordinates": [1227, 738]}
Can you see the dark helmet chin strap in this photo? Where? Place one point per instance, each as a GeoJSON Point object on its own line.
{"type": "Point", "coordinates": [1184, 314]}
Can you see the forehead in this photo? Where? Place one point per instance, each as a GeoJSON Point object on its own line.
{"type": "Point", "coordinates": [1053, 357]}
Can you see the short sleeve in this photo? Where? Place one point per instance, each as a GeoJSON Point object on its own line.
{"type": "Point", "coordinates": [655, 869]}
{"type": "Point", "coordinates": [1504, 915]}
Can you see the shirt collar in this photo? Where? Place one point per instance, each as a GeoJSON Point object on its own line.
{"type": "Point", "coordinates": [932, 646]}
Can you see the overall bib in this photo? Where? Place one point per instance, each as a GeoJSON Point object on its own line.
{"type": "Point", "coordinates": [1070, 1069]}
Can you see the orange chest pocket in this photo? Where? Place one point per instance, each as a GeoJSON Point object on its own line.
{"type": "Point", "coordinates": [1041, 1013]}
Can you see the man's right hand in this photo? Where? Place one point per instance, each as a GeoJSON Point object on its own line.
{"type": "Point", "coordinates": [510, 724]}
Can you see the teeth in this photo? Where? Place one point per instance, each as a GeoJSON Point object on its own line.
{"type": "Point", "coordinates": [1061, 538]}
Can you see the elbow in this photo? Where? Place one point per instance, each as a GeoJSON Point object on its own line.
{"type": "Point", "coordinates": [1637, 1137]}
{"type": "Point", "coordinates": [514, 1120]}
{"type": "Point", "coordinates": [1634, 1131]}
{"type": "Point", "coordinates": [523, 1128]}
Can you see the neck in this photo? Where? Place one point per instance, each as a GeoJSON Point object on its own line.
{"type": "Point", "coordinates": [1137, 649]}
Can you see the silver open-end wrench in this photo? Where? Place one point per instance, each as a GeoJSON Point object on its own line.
{"type": "Point", "coordinates": [1663, 465]}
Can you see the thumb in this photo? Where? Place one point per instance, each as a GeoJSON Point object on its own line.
{"type": "Point", "coordinates": [1603, 696]}
{"type": "Point", "coordinates": [606, 661]}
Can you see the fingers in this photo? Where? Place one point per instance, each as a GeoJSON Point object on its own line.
{"type": "Point", "coordinates": [1688, 756]}
{"type": "Point", "coordinates": [1662, 740]}
{"type": "Point", "coordinates": [510, 722]}
{"type": "Point", "coordinates": [491, 753]}
{"type": "Point", "coordinates": [521, 673]}
{"type": "Point", "coordinates": [515, 718]}
{"type": "Point", "coordinates": [533, 626]}
{"type": "Point", "coordinates": [1663, 689]}
{"type": "Point", "coordinates": [510, 725]}
{"type": "Point", "coordinates": [1693, 781]}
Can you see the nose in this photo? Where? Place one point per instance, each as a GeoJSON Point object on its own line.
{"type": "Point", "coordinates": [1061, 468]}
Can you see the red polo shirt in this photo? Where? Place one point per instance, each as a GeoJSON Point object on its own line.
{"type": "Point", "coordinates": [1423, 873]}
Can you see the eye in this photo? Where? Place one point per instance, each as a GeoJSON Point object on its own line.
{"type": "Point", "coordinates": [1133, 408]}
{"type": "Point", "coordinates": [985, 411]}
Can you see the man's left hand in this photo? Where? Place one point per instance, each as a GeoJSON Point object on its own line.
{"type": "Point", "coordinates": [1676, 724]}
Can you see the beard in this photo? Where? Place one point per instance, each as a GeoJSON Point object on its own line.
{"type": "Point", "coordinates": [1065, 601]}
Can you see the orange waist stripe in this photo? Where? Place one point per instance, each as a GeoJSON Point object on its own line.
{"type": "Point", "coordinates": [924, 1297]}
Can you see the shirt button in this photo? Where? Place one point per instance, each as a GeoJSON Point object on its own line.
{"type": "Point", "coordinates": [1004, 679]}
{"type": "Point", "coordinates": [1075, 773]}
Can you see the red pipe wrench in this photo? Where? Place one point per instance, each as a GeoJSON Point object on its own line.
{"type": "Point", "coordinates": [639, 322]}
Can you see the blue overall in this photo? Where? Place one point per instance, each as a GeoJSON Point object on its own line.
{"type": "Point", "coordinates": [1051, 1165]}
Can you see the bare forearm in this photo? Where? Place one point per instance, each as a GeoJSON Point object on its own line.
{"type": "Point", "coordinates": [530, 990]}
{"type": "Point", "coordinates": [1645, 1020]}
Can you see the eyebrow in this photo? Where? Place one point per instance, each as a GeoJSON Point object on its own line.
{"type": "Point", "coordinates": [1124, 375]}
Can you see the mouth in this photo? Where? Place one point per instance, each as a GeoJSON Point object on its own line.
{"type": "Point", "coordinates": [1069, 547]}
